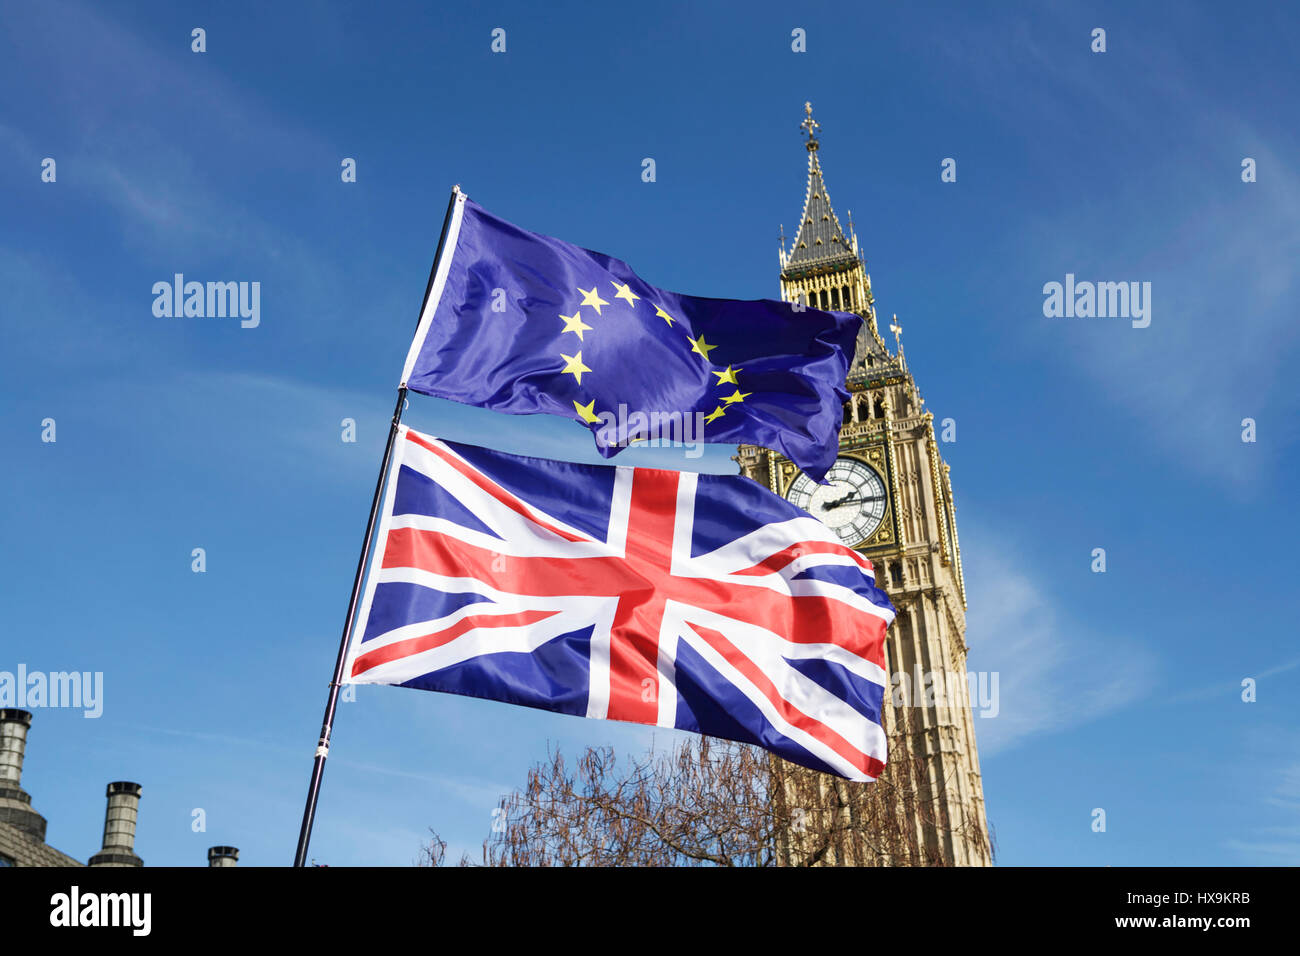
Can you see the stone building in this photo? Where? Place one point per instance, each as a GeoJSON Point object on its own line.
{"type": "Point", "coordinates": [22, 829]}
{"type": "Point", "coordinates": [890, 497]}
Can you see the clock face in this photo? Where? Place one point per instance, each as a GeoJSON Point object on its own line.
{"type": "Point", "coordinates": [852, 504]}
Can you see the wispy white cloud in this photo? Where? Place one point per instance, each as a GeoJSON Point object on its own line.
{"type": "Point", "coordinates": [477, 792]}
{"type": "Point", "coordinates": [1220, 253]}
{"type": "Point", "coordinates": [1223, 333]}
{"type": "Point", "coordinates": [244, 422]}
{"type": "Point", "coordinates": [1277, 844]}
{"type": "Point", "coordinates": [1287, 791]}
{"type": "Point", "coordinates": [243, 743]}
{"type": "Point", "coordinates": [1231, 687]}
{"type": "Point", "coordinates": [170, 200]}
{"type": "Point", "coordinates": [1053, 672]}
{"type": "Point", "coordinates": [382, 845]}
{"type": "Point", "coordinates": [1282, 850]}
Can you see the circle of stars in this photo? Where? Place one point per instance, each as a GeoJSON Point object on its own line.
{"type": "Point", "coordinates": [575, 366]}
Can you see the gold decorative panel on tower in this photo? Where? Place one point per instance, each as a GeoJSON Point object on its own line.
{"type": "Point", "coordinates": [889, 496]}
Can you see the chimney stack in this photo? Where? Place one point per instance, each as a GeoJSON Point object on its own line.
{"type": "Point", "coordinates": [13, 743]}
{"type": "Point", "coordinates": [15, 804]}
{"type": "Point", "coordinates": [223, 856]}
{"type": "Point", "coordinates": [119, 827]}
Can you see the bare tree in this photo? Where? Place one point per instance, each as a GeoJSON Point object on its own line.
{"type": "Point", "coordinates": [711, 802]}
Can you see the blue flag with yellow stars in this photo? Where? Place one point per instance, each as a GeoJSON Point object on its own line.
{"type": "Point", "coordinates": [523, 323]}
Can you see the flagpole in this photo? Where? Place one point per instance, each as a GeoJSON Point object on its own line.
{"type": "Point", "coordinates": [327, 725]}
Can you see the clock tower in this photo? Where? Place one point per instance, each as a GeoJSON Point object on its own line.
{"type": "Point", "coordinates": [889, 496]}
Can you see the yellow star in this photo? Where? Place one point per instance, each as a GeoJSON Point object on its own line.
{"type": "Point", "coordinates": [624, 292]}
{"type": "Point", "coordinates": [701, 346]}
{"type": "Point", "coordinates": [729, 376]}
{"type": "Point", "coordinates": [592, 299]}
{"type": "Point", "coordinates": [716, 413]}
{"type": "Point", "coordinates": [664, 315]}
{"type": "Point", "coordinates": [736, 397]}
{"type": "Point", "coordinates": [574, 366]}
{"type": "Point", "coordinates": [574, 323]}
{"type": "Point", "coordinates": [587, 411]}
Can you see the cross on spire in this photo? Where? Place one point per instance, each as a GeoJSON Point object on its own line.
{"type": "Point", "coordinates": [810, 125]}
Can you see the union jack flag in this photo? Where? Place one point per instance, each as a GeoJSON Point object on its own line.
{"type": "Point", "coordinates": [700, 602]}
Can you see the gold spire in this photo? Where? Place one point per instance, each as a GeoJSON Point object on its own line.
{"type": "Point", "coordinates": [820, 240]}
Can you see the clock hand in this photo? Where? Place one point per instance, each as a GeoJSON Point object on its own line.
{"type": "Point", "coordinates": [850, 497]}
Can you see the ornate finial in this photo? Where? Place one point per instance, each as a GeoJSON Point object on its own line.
{"type": "Point", "coordinates": [897, 329]}
{"type": "Point", "coordinates": [810, 126]}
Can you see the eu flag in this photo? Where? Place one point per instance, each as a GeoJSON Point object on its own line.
{"type": "Point", "coordinates": [524, 323]}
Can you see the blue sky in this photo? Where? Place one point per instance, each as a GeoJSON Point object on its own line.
{"type": "Point", "coordinates": [1118, 690]}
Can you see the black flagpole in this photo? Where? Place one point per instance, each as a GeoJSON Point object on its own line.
{"type": "Point", "coordinates": [323, 745]}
